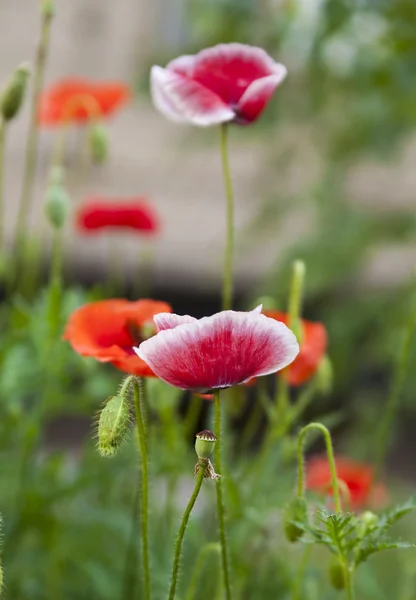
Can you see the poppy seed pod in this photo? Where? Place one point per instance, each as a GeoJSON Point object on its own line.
{"type": "Point", "coordinates": [296, 512]}
{"type": "Point", "coordinates": [57, 200]}
{"type": "Point", "coordinates": [205, 443]}
{"type": "Point", "coordinates": [113, 425]}
{"type": "Point", "coordinates": [98, 143]}
{"type": "Point", "coordinates": [48, 8]}
{"type": "Point", "coordinates": [13, 94]}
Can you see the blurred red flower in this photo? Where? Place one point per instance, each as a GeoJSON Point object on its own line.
{"type": "Point", "coordinates": [220, 351]}
{"type": "Point", "coordinates": [96, 214]}
{"type": "Point", "coordinates": [312, 349]}
{"type": "Point", "coordinates": [229, 82]}
{"type": "Point", "coordinates": [79, 100]}
{"type": "Point", "coordinates": [358, 477]}
{"type": "Point", "coordinates": [107, 331]}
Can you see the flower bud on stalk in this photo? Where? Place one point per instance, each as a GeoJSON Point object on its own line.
{"type": "Point", "coordinates": [57, 200]}
{"type": "Point", "coordinates": [336, 574]}
{"type": "Point", "coordinates": [13, 94]}
{"type": "Point", "coordinates": [48, 8]}
{"type": "Point", "coordinates": [113, 425]}
{"type": "Point", "coordinates": [98, 142]}
{"type": "Point", "coordinates": [296, 512]}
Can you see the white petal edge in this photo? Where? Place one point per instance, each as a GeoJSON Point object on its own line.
{"type": "Point", "coordinates": [265, 86]}
{"type": "Point", "coordinates": [171, 320]}
{"type": "Point", "coordinates": [235, 49]}
{"type": "Point", "coordinates": [169, 97]}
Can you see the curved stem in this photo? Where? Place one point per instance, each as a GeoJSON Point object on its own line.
{"type": "Point", "coordinates": [330, 453]}
{"type": "Point", "coordinates": [31, 144]}
{"type": "Point", "coordinates": [220, 502]}
{"type": "Point", "coordinates": [227, 286]}
{"type": "Point", "coordinates": [138, 403]}
{"type": "Point", "coordinates": [210, 548]}
{"type": "Point", "coordinates": [185, 518]}
{"type": "Point", "coordinates": [393, 400]}
{"type": "Point", "coordinates": [2, 207]}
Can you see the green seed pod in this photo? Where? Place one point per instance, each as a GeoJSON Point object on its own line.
{"type": "Point", "coordinates": [13, 94]}
{"type": "Point", "coordinates": [98, 143]}
{"type": "Point", "coordinates": [324, 376]}
{"type": "Point", "coordinates": [205, 443]}
{"type": "Point", "coordinates": [113, 425]}
{"type": "Point", "coordinates": [47, 8]}
{"type": "Point", "coordinates": [57, 204]}
{"type": "Point", "coordinates": [369, 518]}
{"type": "Point", "coordinates": [336, 574]}
{"type": "Point", "coordinates": [296, 511]}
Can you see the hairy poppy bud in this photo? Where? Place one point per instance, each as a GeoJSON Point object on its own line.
{"type": "Point", "coordinates": [296, 511]}
{"type": "Point", "coordinates": [13, 94]}
{"type": "Point", "coordinates": [57, 200]}
{"type": "Point", "coordinates": [336, 574]}
{"type": "Point", "coordinates": [113, 425]}
{"type": "Point", "coordinates": [98, 142]}
{"type": "Point", "coordinates": [369, 518]}
{"type": "Point", "coordinates": [205, 443]}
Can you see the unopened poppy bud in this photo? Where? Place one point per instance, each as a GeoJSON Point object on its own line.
{"type": "Point", "coordinates": [113, 425]}
{"type": "Point", "coordinates": [296, 513]}
{"type": "Point", "coordinates": [13, 94]}
{"type": "Point", "coordinates": [148, 330]}
{"type": "Point", "coordinates": [57, 204]}
{"type": "Point", "coordinates": [98, 142]}
{"type": "Point", "coordinates": [205, 443]}
{"type": "Point", "coordinates": [369, 518]}
{"type": "Point", "coordinates": [48, 8]}
{"type": "Point", "coordinates": [336, 574]}
{"type": "Point", "coordinates": [324, 376]}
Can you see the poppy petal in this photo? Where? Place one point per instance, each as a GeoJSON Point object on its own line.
{"type": "Point", "coordinates": [226, 349]}
{"type": "Point", "coordinates": [183, 100]}
{"type": "Point", "coordinates": [257, 95]}
{"type": "Point", "coordinates": [170, 321]}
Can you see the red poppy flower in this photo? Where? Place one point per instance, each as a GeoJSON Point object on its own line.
{"type": "Point", "coordinates": [229, 82]}
{"type": "Point", "coordinates": [80, 100]}
{"type": "Point", "coordinates": [97, 214]}
{"type": "Point", "coordinates": [226, 349]}
{"type": "Point", "coordinates": [358, 477]}
{"type": "Point", "coordinates": [312, 349]}
{"type": "Point", "coordinates": [108, 330]}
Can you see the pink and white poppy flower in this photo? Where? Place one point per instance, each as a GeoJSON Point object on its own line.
{"type": "Point", "coordinates": [220, 351]}
{"type": "Point", "coordinates": [229, 82]}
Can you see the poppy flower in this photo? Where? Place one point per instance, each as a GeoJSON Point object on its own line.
{"type": "Point", "coordinates": [357, 476]}
{"type": "Point", "coordinates": [220, 351]}
{"type": "Point", "coordinates": [229, 82]}
{"type": "Point", "coordinates": [80, 100]}
{"type": "Point", "coordinates": [312, 349]}
{"type": "Point", "coordinates": [97, 214]}
{"type": "Point", "coordinates": [107, 331]}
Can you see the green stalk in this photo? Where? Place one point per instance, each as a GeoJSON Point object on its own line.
{"type": "Point", "coordinates": [300, 576]}
{"type": "Point", "coordinates": [220, 502]}
{"type": "Point", "coordinates": [331, 461]}
{"type": "Point", "coordinates": [349, 587]}
{"type": "Point", "coordinates": [210, 548]}
{"type": "Point", "coordinates": [31, 143]}
{"type": "Point", "coordinates": [2, 207]}
{"type": "Point", "coordinates": [393, 401]}
{"type": "Point", "coordinates": [227, 286]}
{"type": "Point", "coordinates": [55, 284]}
{"type": "Point", "coordinates": [138, 402]}
{"type": "Point", "coordinates": [185, 518]}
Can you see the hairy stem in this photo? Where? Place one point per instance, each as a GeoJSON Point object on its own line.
{"type": "Point", "coordinates": [2, 207]}
{"type": "Point", "coordinates": [220, 501]}
{"type": "Point", "coordinates": [227, 286]}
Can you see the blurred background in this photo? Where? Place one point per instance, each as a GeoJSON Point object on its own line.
{"type": "Point", "coordinates": [327, 174]}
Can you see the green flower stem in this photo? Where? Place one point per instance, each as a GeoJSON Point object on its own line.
{"type": "Point", "coordinates": [31, 143]}
{"type": "Point", "coordinates": [138, 402]}
{"type": "Point", "coordinates": [210, 548]}
{"type": "Point", "coordinates": [331, 460]}
{"type": "Point", "coordinates": [55, 284]}
{"type": "Point", "coordinates": [349, 587]}
{"type": "Point", "coordinates": [2, 207]}
{"type": "Point", "coordinates": [393, 401]}
{"type": "Point", "coordinates": [227, 286]}
{"type": "Point", "coordinates": [185, 518]}
{"type": "Point", "coordinates": [220, 502]}
{"type": "Point", "coordinates": [298, 581]}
